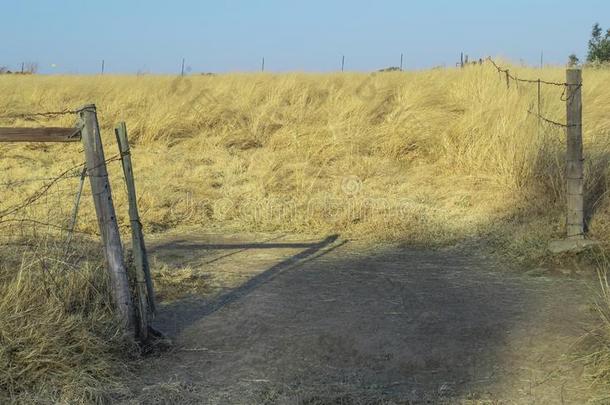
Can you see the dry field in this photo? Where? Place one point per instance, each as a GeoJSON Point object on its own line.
{"type": "Point", "coordinates": [423, 158]}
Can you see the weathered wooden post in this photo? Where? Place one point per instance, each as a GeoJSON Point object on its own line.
{"type": "Point", "coordinates": [106, 217]}
{"type": "Point", "coordinates": [574, 157]}
{"type": "Point", "coordinates": [144, 287]}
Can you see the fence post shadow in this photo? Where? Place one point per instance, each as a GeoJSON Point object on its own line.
{"type": "Point", "coordinates": [193, 309]}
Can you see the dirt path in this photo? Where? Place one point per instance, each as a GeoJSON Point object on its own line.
{"type": "Point", "coordinates": [287, 321]}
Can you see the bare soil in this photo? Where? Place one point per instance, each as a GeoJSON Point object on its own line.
{"type": "Point", "coordinates": [290, 321]}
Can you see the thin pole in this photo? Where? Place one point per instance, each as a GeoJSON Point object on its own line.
{"type": "Point", "coordinates": [182, 71]}
{"type": "Point", "coordinates": [102, 67]}
{"type": "Point", "coordinates": [539, 108]}
{"type": "Point", "coordinates": [22, 66]}
{"type": "Point", "coordinates": [461, 59]}
{"type": "Point", "coordinates": [343, 63]}
{"type": "Point", "coordinates": [541, 59]}
{"type": "Point", "coordinates": [76, 206]}
{"type": "Point", "coordinates": [401, 57]}
{"type": "Point", "coordinates": [263, 65]}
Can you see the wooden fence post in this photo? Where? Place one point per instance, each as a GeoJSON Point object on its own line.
{"type": "Point", "coordinates": [106, 217]}
{"type": "Point", "coordinates": [574, 164]}
{"type": "Point", "coordinates": [146, 298]}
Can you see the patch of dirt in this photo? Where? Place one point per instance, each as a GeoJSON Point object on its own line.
{"type": "Point", "coordinates": [292, 321]}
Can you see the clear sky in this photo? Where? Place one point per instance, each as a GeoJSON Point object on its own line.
{"type": "Point", "coordinates": [68, 36]}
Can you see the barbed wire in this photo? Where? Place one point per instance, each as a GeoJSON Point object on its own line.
{"type": "Point", "coordinates": [36, 222]}
{"type": "Point", "coordinates": [47, 114]}
{"type": "Point", "coordinates": [520, 80]}
{"type": "Point", "coordinates": [550, 121]}
{"type": "Point", "coordinates": [20, 182]}
{"type": "Point", "coordinates": [539, 82]}
{"type": "Point", "coordinates": [44, 189]}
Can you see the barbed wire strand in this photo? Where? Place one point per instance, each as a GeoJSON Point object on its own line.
{"type": "Point", "coordinates": [42, 191]}
{"type": "Point", "coordinates": [538, 82]}
{"type": "Point", "coordinates": [46, 114]}
{"type": "Point", "coordinates": [509, 76]}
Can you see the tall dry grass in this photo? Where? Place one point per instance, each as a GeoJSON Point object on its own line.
{"type": "Point", "coordinates": [59, 339]}
{"type": "Point", "coordinates": [423, 157]}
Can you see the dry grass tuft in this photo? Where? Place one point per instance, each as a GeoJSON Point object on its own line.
{"type": "Point", "coordinates": [59, 342]}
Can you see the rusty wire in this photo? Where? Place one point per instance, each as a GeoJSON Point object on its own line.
{"type": "Point", "coordinates": [539, 82]}
{"type": "Point", "coordinates": [47, 114]}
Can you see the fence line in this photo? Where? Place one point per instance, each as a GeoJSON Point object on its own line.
{"type": "Point", "coordinates": [572, 96]}
{"type": "Point", "coordinates": [44, 189]}
{"type": "Point", "coordinates": [538, 114]}
{"type": "Point", "coordinates": [520, 80]}
{"type": "Point", "coordinates": [86, 129]}
{"type": "Point", "coordinates": [47, 114]}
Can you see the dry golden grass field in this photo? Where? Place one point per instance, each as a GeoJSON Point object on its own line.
{"type": "Point", "coordinates": [424, 158]}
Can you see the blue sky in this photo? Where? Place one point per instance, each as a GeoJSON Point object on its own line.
{"type": "Point", "coordinates": [68, 36]}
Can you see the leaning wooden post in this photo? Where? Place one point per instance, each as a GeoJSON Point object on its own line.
{"type": "Point", "coordinates": [146, 295]}
{"type": "Point", "coordinates": [574, 167]}
{"type": "Point", "coordinates": [106, 217]}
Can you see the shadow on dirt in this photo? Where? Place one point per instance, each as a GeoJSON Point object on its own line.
{"type": "Point", "coordinates": [194, 308]}
{"type": "Point", "coordinates": [337, 322]}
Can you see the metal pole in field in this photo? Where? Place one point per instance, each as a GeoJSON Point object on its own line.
{"type": "Point", "coordinates": [106, 216]}
{"type": "Point", "coordinates": [462, 59]}
{"type": "Point", "coordinates": [541, 59]}
{"type": "Point", "coordinates": [343, 63]}
{"type": "Point", "coordinates": [22, 67]}
{"type": "Point", "coordinates": [574, 163]}
{"type": "Point", "coordinates": [263, 65]}
{"type": "Point", "coordinates": [102, 67]}
{"type": "Point", "coordinates": [401, 57]}
{"type": "Point", "coordinates": [539, 110]}
{"type": "Point", "coordinates": [182, 70]}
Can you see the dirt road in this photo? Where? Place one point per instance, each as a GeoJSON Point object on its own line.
{"type": "Point", "coordinates": [334, 322]}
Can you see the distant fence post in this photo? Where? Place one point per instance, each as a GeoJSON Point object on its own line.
{"type": "Point", "coordinates": [574, 157]}
{"type": "Point", "coordinates": [106, 216]}
{"type": "Point", "coordinates": [144, 287]}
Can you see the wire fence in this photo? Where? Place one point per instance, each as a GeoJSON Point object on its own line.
{"type": "Point", "coordinates": [46, 114]}
{"type": "Point", "coordinates": [511, 78]}
{"type": "Point", "coordinates": [21, 213]}
{"type": "Point", "coordinates": [44, 207]}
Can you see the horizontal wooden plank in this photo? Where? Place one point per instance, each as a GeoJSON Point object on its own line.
{"type": "Point", "coordinates": [39, 134]}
